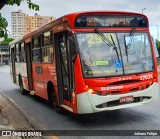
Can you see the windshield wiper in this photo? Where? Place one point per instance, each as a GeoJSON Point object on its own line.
{"type": "Point", "coordinates": [131, 37]}
{"type": "Point", "coordinates": [108, 42]}
{"type": "Point", "coordinates": [127, 46]}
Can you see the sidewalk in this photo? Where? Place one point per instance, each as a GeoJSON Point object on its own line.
{"type": "Point", "coordinates": [12, 119]}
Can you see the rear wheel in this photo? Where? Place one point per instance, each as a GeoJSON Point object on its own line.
{"type": "Point", "coordinates": [22, 90]}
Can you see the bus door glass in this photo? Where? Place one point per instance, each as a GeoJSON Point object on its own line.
{"type": "Point", "coordinates": [63, 66]}
{"type": "Point", "coordinates": [29, 64]}
{"type": "Point", "coordinates": [13, 64]}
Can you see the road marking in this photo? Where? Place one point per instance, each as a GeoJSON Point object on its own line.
{"type": "Point", "coordinates": [54, 137]}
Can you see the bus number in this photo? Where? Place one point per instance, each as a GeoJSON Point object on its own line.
{"type": "Point", "coordinates": [146, 77]}
{"type": "Point", "coordinates": [94, 39]}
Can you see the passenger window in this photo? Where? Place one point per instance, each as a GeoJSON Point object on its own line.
{"type": "Point", "coordinates": [17, 53]}
{"type": "Point", "coordinates": [36, 51]}
{"type": "Point", "coordinates": [47, 38]}
{"type": "Point", "coordinates": [47, 48]}
{"type": "Point", "coordinates": [36, 42]}
{"type": "Point", "coordinates": [22, 53]}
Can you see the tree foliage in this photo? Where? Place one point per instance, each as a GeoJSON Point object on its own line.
{"type": "Point", "coordinates": [7, 41]}
{"type": "Point", "coordinates": [3, 21]}
{"type": "Point", "coordinates": [29, 2]}
{"type": "Point", "coordinates": [3, 27]}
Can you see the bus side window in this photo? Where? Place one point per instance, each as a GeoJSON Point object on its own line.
{"type": "Point", "coordinates": [17, 53]}
{"type": "Point", "coordinates": [155, 48]}
{"type": "Point", "coordinates": [36, 49]}
{"type": "Point", "coordinates": [47, 47]}
{"type": "Point", "coordinates": [22, 53]}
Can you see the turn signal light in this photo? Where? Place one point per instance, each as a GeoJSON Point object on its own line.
{"type": "Point", "coordinates": [91, 91]}
{"type": "Point", "coordinates": [86, 87]}
{"type": "Point", "coordinates": [151, 83]}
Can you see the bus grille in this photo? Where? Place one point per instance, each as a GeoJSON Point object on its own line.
{"type": "Point", "coordinates": [117, 103]}
{"type": "Point", "coordinates": [139, 88]}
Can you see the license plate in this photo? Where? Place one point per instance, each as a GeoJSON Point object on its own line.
{"type": "Point", "coordinates": [126, 99]}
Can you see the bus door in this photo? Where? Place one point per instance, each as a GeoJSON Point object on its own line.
{"type": "Point", "coordinates": [62, 67]}
{"type": "Point", "coordinates": [29, 64]}
{"type": "Point", "coordinates": [13, 64]}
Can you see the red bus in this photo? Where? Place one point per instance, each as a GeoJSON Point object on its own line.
{"type": "Point", "coordinates": [88, 62]}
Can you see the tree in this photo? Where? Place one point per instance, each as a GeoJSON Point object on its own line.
{"type": "Point", "coordinates": [7, 41]}
{"type": "Point", "coordinates": [3, 21]}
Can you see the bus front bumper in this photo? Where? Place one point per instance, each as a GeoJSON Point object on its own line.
{"type": "Point", "coordinates": [91, 103]}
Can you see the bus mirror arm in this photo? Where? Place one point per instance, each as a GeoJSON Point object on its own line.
{"type": "Point", "coordinates": [72, 46]}
{"type": "Point", "coordinates": [72, 43]}
{"type": "Point", "coordinates": [70, 31]}
{"type": "Point", "coordinates": [74, 58]}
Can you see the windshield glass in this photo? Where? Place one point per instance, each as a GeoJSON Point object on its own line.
{"type": "Point", "coordinates": [99, 59]}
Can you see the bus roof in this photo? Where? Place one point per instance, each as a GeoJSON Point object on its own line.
{"type": "Point", "coordinates": [102, 12]}
{"type": "Point", "coordinates": [16, 40]}
{"type": "Point", "coordinates": [71, 18]}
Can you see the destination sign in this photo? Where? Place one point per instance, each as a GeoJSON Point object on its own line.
{"type": "Point", "coordinates": [110, 21]}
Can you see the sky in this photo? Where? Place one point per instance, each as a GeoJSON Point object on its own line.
{"type": "Point", "coordinates": [58, 8]}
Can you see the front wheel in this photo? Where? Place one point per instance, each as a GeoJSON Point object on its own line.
{"type": "Point", "coordinates": [55, 104]}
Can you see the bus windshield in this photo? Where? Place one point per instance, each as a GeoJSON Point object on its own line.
{"type": "Point", "coordinates": [99, 59]}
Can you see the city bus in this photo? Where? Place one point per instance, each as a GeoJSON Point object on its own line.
{"type": "Point", "coordinates": [88, 62]}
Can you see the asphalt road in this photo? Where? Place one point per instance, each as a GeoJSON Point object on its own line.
{"type": "Point", "coordinates": [146, 117]}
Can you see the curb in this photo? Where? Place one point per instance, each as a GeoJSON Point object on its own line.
{"type": "Point", "coordinates": [13, 118]}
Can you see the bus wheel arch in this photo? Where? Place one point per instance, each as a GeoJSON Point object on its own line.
{"type": "Point", "coordinates": [52, 98]}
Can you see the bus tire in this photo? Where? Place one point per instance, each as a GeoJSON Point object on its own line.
{"type": "Point", "coordinates": [22, 90]}
{"type": "Point", "coordinates": [50, 91]}
{"type": "Point", "coordinates": [55, 104]}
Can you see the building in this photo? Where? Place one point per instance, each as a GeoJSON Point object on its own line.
{"type": "Point", "coordinates": [18, 23]}
{"type": "Point", "coordinates": [4, 54]}
{"type": "Point", "coordinates": [36, 21]}
{"type": "Point", "coordinates": [23, 24]}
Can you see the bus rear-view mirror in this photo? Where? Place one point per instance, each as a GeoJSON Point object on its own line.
{"type": "Point", "coordinates": [72, 46]}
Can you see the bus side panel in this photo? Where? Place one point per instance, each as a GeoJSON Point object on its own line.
{"type": "Point", "coordinates": [23, 69]}
{"type": "Point", "coordinates": [23, 73]}
{"type": "Point", "coordinates": [18, 71]}
{"type": "Point", "coordinates": [25, 83]}
{"type": "Point", "coordinates": [49, 74]}
{"type": "Point", "coordinates": [39, 88]}
{"type": "Point", "coordinates": [38, 82]}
